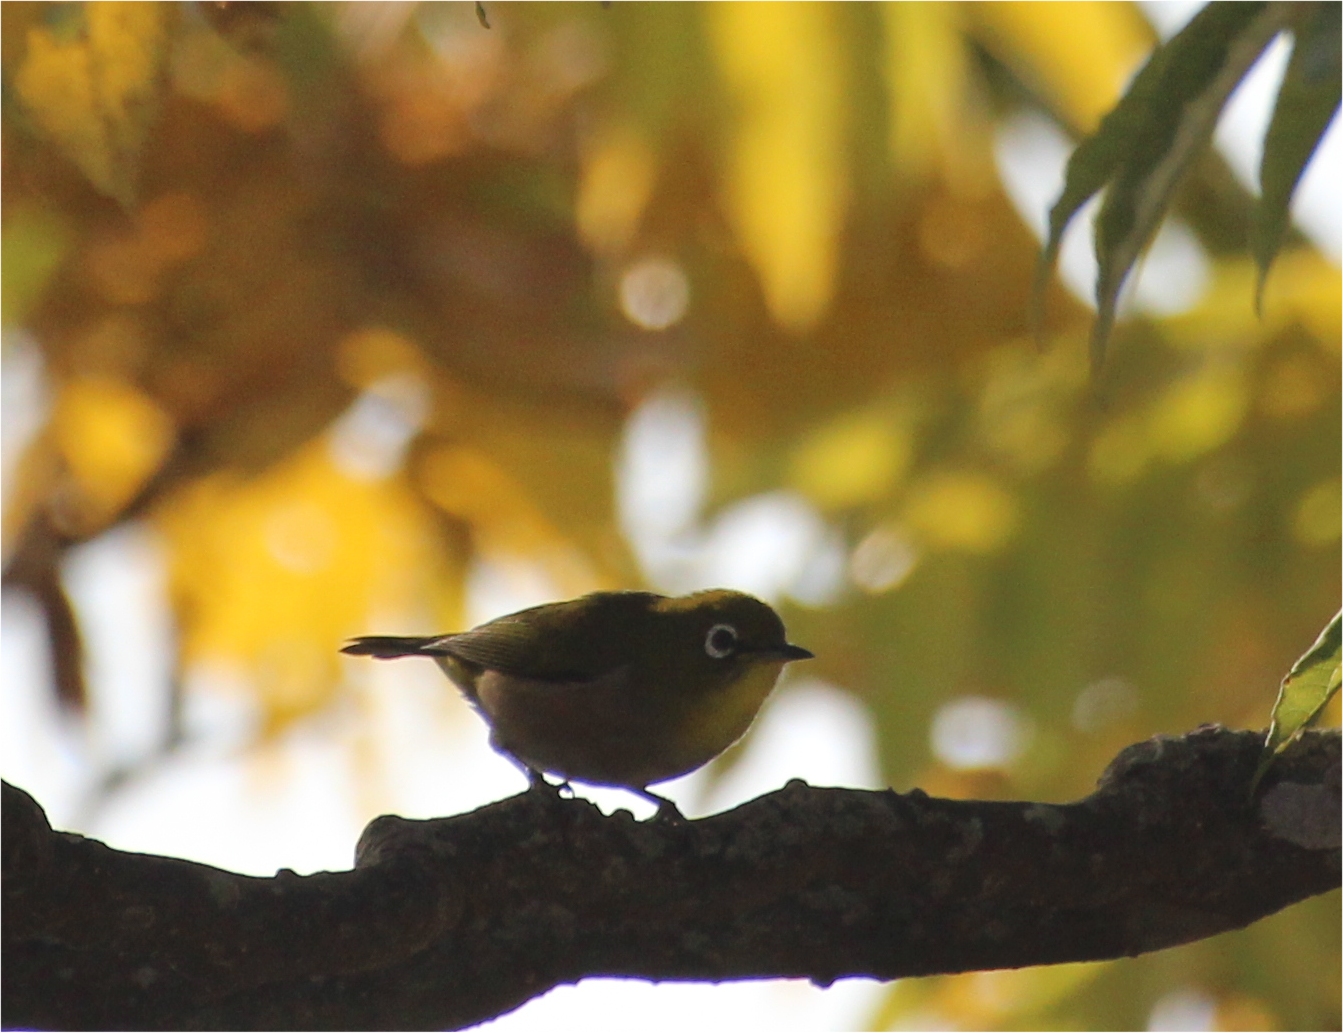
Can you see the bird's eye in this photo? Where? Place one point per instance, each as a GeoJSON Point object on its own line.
{"type": "Point", "coordinates": [721, 641]}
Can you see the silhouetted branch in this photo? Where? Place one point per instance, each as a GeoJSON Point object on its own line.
{"type": "Point", "coordinates": [448, 922]}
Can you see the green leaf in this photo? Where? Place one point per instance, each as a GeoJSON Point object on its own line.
{"type": "Point", "coordinates": [1307, 102]}
{"type": "Point", "coordinates": [33, 245]}
{"type": "Point", "coordinates": [1098, 158]}
{"type": "Point", "coordinates": [1305, 691]}
{"type": "Point", "coordinates": [1147, 142]}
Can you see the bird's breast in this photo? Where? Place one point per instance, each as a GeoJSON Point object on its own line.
{"type": "Point", "coordinates": [604, 730]}
{"type": "Point", "coordinates": [724, 715]}
{"type": "Point", "coordinates": [618, 729]}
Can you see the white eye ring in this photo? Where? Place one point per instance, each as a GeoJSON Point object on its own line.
{"type": "Point", "coordinates": [721, 641]}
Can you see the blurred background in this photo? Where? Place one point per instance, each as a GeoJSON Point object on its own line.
{"type": "Point", "coordinates": [334, 319]}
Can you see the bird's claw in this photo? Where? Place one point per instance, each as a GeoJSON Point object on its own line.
{"type": "Point", "coordinates": [548, 790]}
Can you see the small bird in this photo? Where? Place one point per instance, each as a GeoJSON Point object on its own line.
{"type": "Point", "coordinates": [620, 689]}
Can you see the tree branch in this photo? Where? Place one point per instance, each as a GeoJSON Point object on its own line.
{"type": "Point", "coordinates": [448, 922]}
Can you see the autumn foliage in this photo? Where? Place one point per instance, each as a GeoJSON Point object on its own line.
{"type": "Point", "coordinates": [348, 303]}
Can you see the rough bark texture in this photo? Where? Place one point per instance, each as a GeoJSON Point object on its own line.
{"type": "Point", "coordinates": [444, 923]}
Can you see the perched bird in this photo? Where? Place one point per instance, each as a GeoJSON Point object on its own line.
{"type": "Point", "coordinates": [620, 689]}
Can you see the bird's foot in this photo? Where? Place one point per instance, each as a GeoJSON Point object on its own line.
{"type": "Point", "coordinates": [549, 790]}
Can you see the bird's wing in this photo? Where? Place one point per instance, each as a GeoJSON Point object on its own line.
{"type": "Point", "coordinates": [576, 640]}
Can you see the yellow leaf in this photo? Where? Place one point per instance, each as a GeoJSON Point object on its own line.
{"type": "Point", "coordinates": [1293, 387]}
{"type": "Point", "coordinates": [275, 571]}
{"type": "Point", "coordinates": [983, 999]}
{"type": "Point", "coordinates": [1024, 400]}
{"type": "Point", "coordinates": [112, 438]}
{"type": "Point", "coordinates": [962, 511]}
{"type": "Point", "coordinates": [1080, 55]}
{"type": "Point", "coordinates": [1120, 452]}
{"type": "Point", "coordinates": [786, 168]}
{"type": "Point", "coordinates": [931, 130]}
{"type": "Point", "coordinates": [1304, 291]}
{"type": "Point", "coordinates": [854, 460]}
{"type": "Point", "coordinates": [1191, 417]}
{"type": "Point", "coordinates": [373, 352]}
{"type": "Point", "coordinates": [93, 95]}
{"type": "Point", "coordinates": [1317, 517]}
{"type": "Point", "coordinates": [1241, 1011]}
{"type": "Point", "coordinates": [1306, 287]}
{"type": "Point", "coordinates": [505, 521]}
{"type": "Point", "coordinates": [472, 487]}
{"type": "Point", "coordinates": [617, 180]}
{"type": "Point", "coordinates": [1199, 413]}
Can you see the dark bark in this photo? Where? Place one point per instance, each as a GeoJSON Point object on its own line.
{"type": "Point", "coordinates": [444, 923]}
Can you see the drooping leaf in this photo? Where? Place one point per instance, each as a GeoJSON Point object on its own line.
{"type": "Point", "coordinates": [1307, 102]}
{"type": "Point", "coordinates": [1097, 159]}
{"type": "Point", "coordinates": [1305, 691]}
{"type": "Point", "coordinates": [1197, 82]}
{"type": "Point", "coordinates": [1148, 141]}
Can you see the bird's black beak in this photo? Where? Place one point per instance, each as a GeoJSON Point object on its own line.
{"type": "Point", "coordinates": [786, 652]}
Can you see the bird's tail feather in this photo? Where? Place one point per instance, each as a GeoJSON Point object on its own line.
{"type": "Point", "coordinates": [388, 647]}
